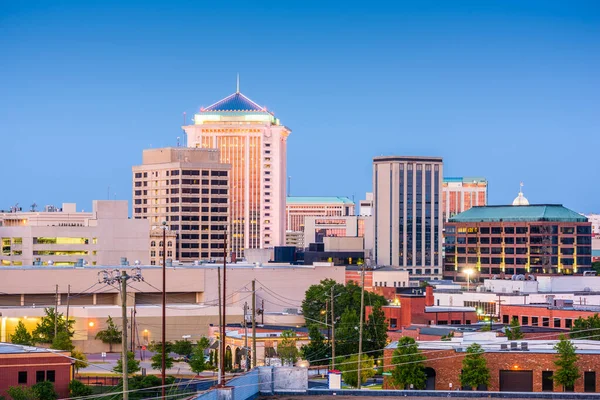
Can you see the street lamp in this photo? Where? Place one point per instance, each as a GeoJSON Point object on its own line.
{"type": "Point", "coordinates": [468, 272]}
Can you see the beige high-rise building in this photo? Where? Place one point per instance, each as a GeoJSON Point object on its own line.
{"type": "Point", "coordinates": [188, 189]}
{"type": "Point", "coordinates": [254, 142]}
{"type": "Point", "coordinates": [408, 214]}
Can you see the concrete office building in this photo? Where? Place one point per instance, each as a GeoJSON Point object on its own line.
{"type": "Point", "coordinates": [460, 194]}
{"type": "Point", "coordinates": [299, 208]}
{"type": "Point", "coordinates": [318, 228]}
{"type": "Point", "coordinates": [189, 190]}
{"type": "Point", "coordinates": [366, 206]}
{"type": "Point", "coordinates": [62, 236]}
{"type": "Point", "coordinates": [254, 143]}
{"type": "Point", "coordinates": [408, 214]}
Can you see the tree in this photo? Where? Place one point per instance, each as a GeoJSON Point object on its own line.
{"type": "Point", "coordinates": [286, 349]}
{"type": "Point", "coordinates": [513, 332]}
{"type": "Point", "coordinates": [566, 361]}
{"type": "Point", "coordinates": [316, 351]}
{"type": "Point", "coordinates": [375, 332]}
{"type": "Point", "coordinates": [346, 333]}
{"type": "Point", "coordinates": [588, 328]}
{"type": "Point", "coordinates": [78, 389]}
{"type": "Point", "coordinates": [22, 335]}
{"type": "Point", "coordinates": [156, 359]}
{"type": "Point", "coordinates": [408, 365]}
{"type": "Point", "coordinates": [182, 347]}
{"type": "Point", "coordinates": [45, 391]}
{"type": "Point", "coordinates": [44, 330]}
{"type": "Point", "coordinates": [350, 370]}
{"type": "Point", "coordinates": [111, 335]}
{"type": "Point", "coordinates": [62, 341]}
{"type": "Point", "coordinates": [133, 365]}
{"type": "Point", "coordinates": [81, 360]}
{"type": "Point", "coordinates": [197, 363]}
{"type": "Point", "coordinates": [596, 266]}
{"type": "Point", "coordinates": [475, 372]}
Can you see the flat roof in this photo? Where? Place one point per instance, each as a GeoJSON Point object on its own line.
{"type": "Point", "coordinates": [534, 212]}
{"type": "Point", "coordinates": [9, 348]}
{"type": "Point", "coordinates": [245, 265]}
{"type": "Point", "coordinates": [465, 179]}
{"type": "Point", "coordinates": [318, 200]}
{"type": "Point", "coordinates": [407, 159]}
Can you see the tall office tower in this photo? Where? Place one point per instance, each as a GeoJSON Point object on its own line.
{"type": "Point", "coordinates": [254, 142]}
{"type": "Point", "coordinates": [460, 194]}
{"type": "Point", "coordinates": [189, 190]}
{"type": "Point", "coordinates": [407, 214]}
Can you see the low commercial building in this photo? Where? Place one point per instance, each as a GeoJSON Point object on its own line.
{"type": "Point", "coordinates": [524, 366]}
{"type": "Point", "coordinates": [380, 280]}
{"type": "Point", "coordinates": [63, 236]}
{"type": "Point", "coordinates": [319, 229]}
{"type": "Point", "coordinates": [26, 366]}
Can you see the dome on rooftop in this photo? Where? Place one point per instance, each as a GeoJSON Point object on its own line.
{"type": "Point", "coordinates": [520, 200]}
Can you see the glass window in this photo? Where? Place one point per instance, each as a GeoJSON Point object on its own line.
{"type": "Point", "coordinates": [51, 376]}
{"type": "Point", "coordinates": [40, 376]}
{"type": "Point", "coordinates": [22, 377]}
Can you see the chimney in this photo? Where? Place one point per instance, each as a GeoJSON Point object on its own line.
{"type": "Point", "coordinates": [429, 296]}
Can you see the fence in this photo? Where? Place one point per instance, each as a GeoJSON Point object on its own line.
{"type": "Point", "coordinates": [99, 380]}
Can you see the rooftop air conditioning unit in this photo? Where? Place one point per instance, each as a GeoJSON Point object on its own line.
{"type": "Point", "coordinates": [513, 346]}
{"type": "Point", "coordinates": [524, 346]}
{"type": "Point", "coordinates": [503, 346]}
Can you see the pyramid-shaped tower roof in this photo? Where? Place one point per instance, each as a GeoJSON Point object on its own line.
{"type": "Point", "coordinates": [237, 103]}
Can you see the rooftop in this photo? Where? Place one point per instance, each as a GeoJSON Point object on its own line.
{"type": "Point", "coordinates": [466, 179]}
{"type": "Point", "coordinates": [534, 212]}
{"type": "Point", "coordinates": [407, 159]}
{"type": "Point", "coordinates": [318, 200]}
{"type": "Point", "coordinates": [9, 348]}
{"type": "Point", "coordinates": [235, 102]}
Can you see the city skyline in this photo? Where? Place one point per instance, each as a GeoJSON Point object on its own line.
{"type": "Point", "coordinates": [524, 85]}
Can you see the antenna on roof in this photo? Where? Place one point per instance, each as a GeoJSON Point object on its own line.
{"type": "Point", "coordinates": [238, 83]}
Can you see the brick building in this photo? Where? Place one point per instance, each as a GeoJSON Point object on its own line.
{"type": "Point", "coordinates": [383, 280]}
{"type": "Point", "coordinates": [516, 240]}
{"type": "Point", "coordinates": [526, 366]}
{"type": "Point", "coordinates": [560, 314]}
{"type": "Point", "coordinates": [26, 366]}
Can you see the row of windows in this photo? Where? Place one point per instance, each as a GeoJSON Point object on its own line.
{"type": "Point", "coordinates": [384, 284]}
{"type": "Point", "coordinates": [540, 321]}
{"type": "Point", "coordinates": [519, 260]}
{"type": "Point", "coordinates": [139, 175]}
{"type": "Point", "coordinates": [522, 230]}
{"type": "Point", "coordinates": [40, 376]}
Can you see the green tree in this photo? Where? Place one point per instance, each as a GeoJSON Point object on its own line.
{"type": "Point", "coordinates": [183, 347]}
{"type": "Point", "coordinates": [111, 335]}
{"type": "Point", "coordinates": [228, 359]}
{"type": "Point", "coordinates": [81, 360]}
{"type": "Point", "coordinates": [286, 349]}
{"type": "Point", "coordinates": [588, 328]}
{"type": "Point", "coordinates": [596, 267]}
{"type": "Point", "coordinates": [22, 335]}
{"type": "Point", "coordinates": [156, 359]}
{"type": "Point", "coordinates": [316, 351]}
{"type": "Point", "coordinates": [133, 365]}
{"type": "Point", "coordinates": [408, 365]}
{"type": "Point", "coordinates": [62, 341]}
{"type": "Point", "coordinates": [197, 363]}
{"type": "Point", "coordinates": [375, 332]}
{"type": "Point", "coordinates": [513, 332]}
{"type": "Point", "coordinates": [45, 391]}
{"type": "Point", "coordinates": [346, 333]}
{"type": "Point", "coordinates": [350, 370]}
{"type": "Point", "coordinates": [22, 393]}
{"type": "Point", "coordinates": [566, 361]}
{"type": "Point", "coordinates": [475, 372]}
{"type": "Point", "coordinates": [78, 389]}
{"type": "Point", "coordinates": [44, 330]}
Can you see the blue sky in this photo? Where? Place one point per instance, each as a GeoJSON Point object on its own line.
{"type": "Point", "coordinates": [506, 89]}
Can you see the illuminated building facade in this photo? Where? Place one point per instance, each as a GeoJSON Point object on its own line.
{"type": "Point", "coordinates": [299, 208]}
{"type": "Point", "coordinates": [460, 194]}
{"type": "Point", "coordinates": [188, 189]}
{"type": "Point", "coordinates": [254, 143]}
{"type": "Point", "coordinates": [408, 215]}
{"type": "Point", "coordinates": [65, 237]}
{"type": "Point", "coordinates": [516, 240]}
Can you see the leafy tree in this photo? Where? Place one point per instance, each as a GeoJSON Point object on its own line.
{"type": "Point", "coordinates": [62, 341]}
{"type": "Point", "coordinates": [78, 389]}
{"type": "Point", "coordinates": [513, 332]}
{"type": "Point", "coordinates": [196, 362]}
{"type": "Point", "coordinates": [22, 335]}
{"type": "Point", "coordinates": [22, 393]}
{"type": "Point", "coordinates": [157, 361]}
{"type": "Point", "coordinates": [408, 365]}
{"type": "Point", "coordinates": [228, 359]}
{"type": "Point", "coordinates": [211, 358]}
{"type": "Point", "coordinates": [448, 337]}
{"type": "Point", "coordinates": [182, 347]}
{"type": "Point", "coordinates": [423, 284]}
{"type": "Point", "coordinates": [596, 266]}
{"type": "Point", "coordinates": [475, 372]}
{"type": "Point", "coordinates": [286, 349]}
{"type": "Point", "coordinates": [45, 391]}
{"type": "Point", "coordinates": [588, 328]}
{"type": "Point", "coordinates": [316, 351]}
{"type": "Point", "coordinates": [133, 365]}
{"type": "Point", "coordinates": [111, 335]}
{"type": "Point", "coordinates": [350, 370]}
{"type": "Point", "coordinates": [346, 334]}
{"type": "Point", "coordinates": [81, 360]}
{"type": "Point", "coordinates": [375, 332]}
{"type": "Point", "coordinates": [44, 330]}
{"type": "Point", "coordinates": [566, 361]}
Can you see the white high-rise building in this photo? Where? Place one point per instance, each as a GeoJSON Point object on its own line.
{"type": "Point", "coordinates": [254, 143]}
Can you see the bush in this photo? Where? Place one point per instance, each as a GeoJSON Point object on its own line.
{"type": "Point", "coordinates": [45, 391]}
{"type": "Point", "coordinates": [78, 389]}
{"type": "Point", "coordinates": [22, 393]}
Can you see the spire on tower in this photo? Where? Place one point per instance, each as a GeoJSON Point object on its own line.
{"type": "Point", "coordinates": [238, 83]}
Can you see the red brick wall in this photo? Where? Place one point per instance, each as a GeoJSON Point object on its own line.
{"type": "Point", "coordinates": [10, 365]}
{"type": "Point", "coordinates": [542, 312]}
{"type": "Point", "coordinates": [354, 276]}
{"type": "Point", "coordinates": [448, 364]}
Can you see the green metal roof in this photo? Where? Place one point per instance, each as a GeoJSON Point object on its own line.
{"type": "Point", "coordinates": [534, 212]}
{"type": "Point", "coordinates": [318, 200]}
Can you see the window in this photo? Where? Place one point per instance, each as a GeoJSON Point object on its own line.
{"type": "Point", "coordinates": [22, 377]}
{"type": "Point", "coordinates": [534, 321]}
{"type": "Point", "coordinates": [524, 320]}
{"type": "Point", "coordinates": [393, 322]}
{"type": "Point", "coordinates": [545, 321]}
{"type": "Point", "coordinates": [51, 376]}
{"type": "Point", "coordinates": [568, 323]}
{"type": "Point", "coordinates": [40, 376]}
{"type": "Point", "coordinates": [556, 322]}
{"type": "Point", "coordinates": [547, 381]}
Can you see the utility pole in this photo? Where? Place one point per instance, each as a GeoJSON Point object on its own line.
{"type": "Point", "coordinates": [262, 312]}
{"type": "Point", "coordinates": [332, 331]}
{"type": "Point", "coordinates": [164, 311]}
{"type": "Point", "coordinates": [254, 323]}
{"type": "Point", "coordinates": [68, 297]}
{"type": "Point", "coordinates": [246, 336]}
{"type": "Point", "coordinates": [360, 330]}
{"type": "Point", "coordinates": [56, 312]}
{"type": "Point", "coordinates": [220, 327]}
{"type": "Point", "coordinates": [131, 331]}
{"type": "Point", "coordinates": [224, 311]}
{"type": "Point", "coordinates": [124, 355]}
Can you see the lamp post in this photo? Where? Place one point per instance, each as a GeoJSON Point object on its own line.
{"type": "Point", "coordinates": [468, 273]}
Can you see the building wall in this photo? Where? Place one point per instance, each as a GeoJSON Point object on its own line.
{"type": "Point", "coordinates": [298, 209]}
{"type": "Point", "coordinates": [31, 363]}
{"type": "Point", "coordinates": [546, 316]}
{"type": "Point", "coordinates": [460, 194]}
{"type": "Point", "coordinates": [398, 278]}
{"type": "Point", "coordinates": [101, 237]}
{"type": "Point", "coordinates": [408, 214]}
